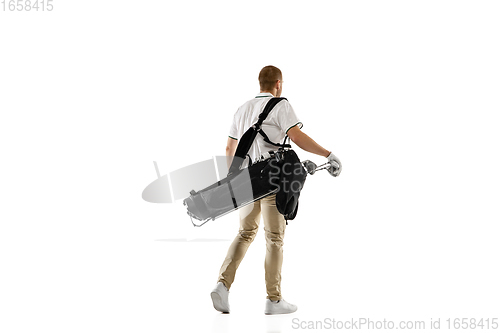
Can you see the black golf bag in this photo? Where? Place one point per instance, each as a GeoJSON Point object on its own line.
{"type": "Point", "coordinates": [281, 172]}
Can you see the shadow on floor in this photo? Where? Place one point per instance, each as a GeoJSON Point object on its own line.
{"type": "Point", "coordinates": [199, 240]}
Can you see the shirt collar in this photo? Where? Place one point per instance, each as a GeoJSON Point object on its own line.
{"type": "Point", "coordinates": [264, 94]}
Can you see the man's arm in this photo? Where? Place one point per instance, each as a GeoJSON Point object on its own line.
{"type": "Point", "coordinates": [230, 150]}
{"type": "Point", "coordinates": [302, 140]}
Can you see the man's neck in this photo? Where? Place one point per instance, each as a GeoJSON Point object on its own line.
{"type": "Point", "coordinates": [271, 92]}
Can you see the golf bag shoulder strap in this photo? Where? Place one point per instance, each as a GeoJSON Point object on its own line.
{"type": "Point", "coordinates": [267, 109]}
{"type": "Point", "coordinates": [266, 139]}
{"type": "Point", "coordinates": [248, 137]}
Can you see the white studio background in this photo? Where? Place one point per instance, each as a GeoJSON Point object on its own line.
{"type": "Point", "coordinates": [404, 93]}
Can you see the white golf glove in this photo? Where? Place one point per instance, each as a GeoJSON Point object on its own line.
{"type": "Point", "coordinates": [336, 167]}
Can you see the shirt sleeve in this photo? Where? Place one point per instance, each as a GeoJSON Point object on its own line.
{"type": "Point", "coordinates": [233, 130]}
{"type": "Point", "coordinates": [287, 118]}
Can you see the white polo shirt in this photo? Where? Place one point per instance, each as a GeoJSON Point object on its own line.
{"type": "Point", "coordinates": [281, 118]}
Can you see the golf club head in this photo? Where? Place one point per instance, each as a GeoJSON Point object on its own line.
{"type": "Point", "coordinates": [310, 167]}
{"type": "Point", "coordinates": [334, 166]}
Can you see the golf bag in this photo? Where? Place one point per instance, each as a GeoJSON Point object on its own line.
{"type": "Point", "coordinates": [279, 172]}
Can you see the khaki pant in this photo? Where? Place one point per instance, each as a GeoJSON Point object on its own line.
{"type": "Point", "coordinates": [274, 226]}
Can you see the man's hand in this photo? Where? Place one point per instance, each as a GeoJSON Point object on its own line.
{"type": "Point", "coordinates": [336, 167]}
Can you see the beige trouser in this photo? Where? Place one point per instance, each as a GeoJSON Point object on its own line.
{"type": "Point", "coordinates": [274, 226]}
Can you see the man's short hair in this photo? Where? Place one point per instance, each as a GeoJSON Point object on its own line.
{"type": "Point", "coordinates": [268, 77]}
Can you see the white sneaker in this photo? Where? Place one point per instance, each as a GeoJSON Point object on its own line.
{"type": "Point", "coordinates": [279, 307]}
{"type": "Point", "coordinates": [220, 298]}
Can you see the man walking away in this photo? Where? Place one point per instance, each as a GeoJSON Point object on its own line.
{"type": "Point", "coordinates": [280, 122]}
